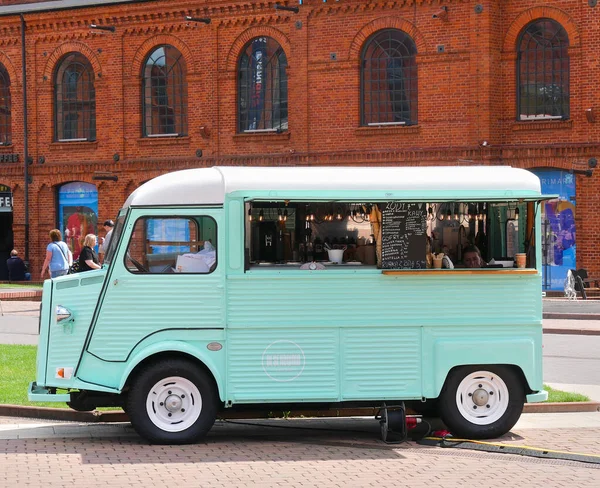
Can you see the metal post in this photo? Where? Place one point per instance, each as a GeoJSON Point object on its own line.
{"type": "Point", "coordinates": [25, 139]}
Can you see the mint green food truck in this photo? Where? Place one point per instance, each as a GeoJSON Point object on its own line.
{"type": "Point", "coordinates": [315, 287]}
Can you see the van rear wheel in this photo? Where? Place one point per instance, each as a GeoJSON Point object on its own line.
{"type": "Point", "coordinates": [172, 402]}
{"type": "Point", "coordinates": [482, 402]}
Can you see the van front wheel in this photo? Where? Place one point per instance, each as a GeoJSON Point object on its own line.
{"type": "Point", "coordinates": [172, 402]}
{"type": "Point", "coordinates": [482, 402]}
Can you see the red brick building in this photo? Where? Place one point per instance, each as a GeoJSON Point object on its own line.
{"type": "Point", "coordinates": [403, 82]}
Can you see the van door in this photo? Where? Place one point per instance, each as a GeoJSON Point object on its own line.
{"type": "Point", "coordinates": [166, 280]}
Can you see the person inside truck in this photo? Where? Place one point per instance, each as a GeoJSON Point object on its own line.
{"type": "Point", "coordinates": [472, 258]}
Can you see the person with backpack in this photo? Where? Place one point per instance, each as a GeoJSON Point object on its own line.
{"type": "Point", "coordinates": [58, 256]}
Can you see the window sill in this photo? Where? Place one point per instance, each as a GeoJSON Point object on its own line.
{"type": "Point", "coordinates": [525, 125]}
{"type": "Point", "coordinates": [262, 136]}
{"type": "Point", "coordinates": [462, 271]}
{"type": "Point", "coordinates": [164, 141]}
{"type": "Point", "coordinates": [385, 130]}
{"type": "Point", "coordinates": [66, 145]}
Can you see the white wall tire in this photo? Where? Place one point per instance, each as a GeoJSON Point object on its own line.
{"type": "Point", "coordinates": [172, 402]}
{"type": "Point", "coordinates": [482, 402]}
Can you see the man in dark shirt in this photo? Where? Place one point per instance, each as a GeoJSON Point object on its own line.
{"type": "Point", "coordinates": [16, 268]}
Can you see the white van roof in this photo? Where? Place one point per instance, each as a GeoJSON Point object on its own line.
{"type": "Point", "coordinates": [208, 186]}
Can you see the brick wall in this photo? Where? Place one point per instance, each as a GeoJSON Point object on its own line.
{"type": "Point", "coordinates": [466, 95]}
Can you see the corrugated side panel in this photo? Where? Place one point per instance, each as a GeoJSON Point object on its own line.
{"type": "Point", "coordinates": [378, 351]}
{"type": "Point", "coordinates": [381, 363]}
{"type": "Point", "coordinates": [80, 295]}
{"type": "Point", "coordinates": [283, 365]}
{"type": "Point", "coordinates": [139, 305]}
{"type": "Point", "coordinates": [358, 299]}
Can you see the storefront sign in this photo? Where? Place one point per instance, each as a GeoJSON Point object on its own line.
{"type": "Point", "coordinates": [6, 200]}
{"type": "Point", "coordinates": [9, 158]}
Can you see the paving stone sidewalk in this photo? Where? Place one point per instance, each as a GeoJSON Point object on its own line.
{"type": "Point", "coordinates": [321, 453]}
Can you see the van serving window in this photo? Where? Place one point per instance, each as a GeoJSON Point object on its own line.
{"type": "Point", "coordinates": [388, 235]}
{"type": "Point", "coordinates": [173, 245]}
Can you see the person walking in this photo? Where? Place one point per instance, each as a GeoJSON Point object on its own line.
{"type": "Point", "coordinates": [58, 256]}
{"type": "Point", "coordinates": [17, 271]}
{"type": "Point", "coordinates": [108, 227]}
{"type": "Point", "coordinates": [88, 259]}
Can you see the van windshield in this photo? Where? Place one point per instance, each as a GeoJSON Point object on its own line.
{"type": "Point", "coordinates": [115, 238]}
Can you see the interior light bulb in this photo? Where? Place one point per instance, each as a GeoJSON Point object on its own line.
{"type": "Point", "coordinates": [261, 215]}
{"type": "Point", "coordinates": [250, 214]}
{"type": "Point", "coordinates": [517, 213]}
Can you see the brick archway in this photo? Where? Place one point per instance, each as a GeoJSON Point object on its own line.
{"type": "Point", "coordinates": [69, 47]}
{"type": "Point", "coordinates": [135, 67]}
{"type": "Point", "coordinates": [535, 13]}
{"type": "Point", "coordinates": [15, 80]}
{"type": "Point", "coordinates": [386, 23]}
{"type": "Point", "coordinates": [247, 36]}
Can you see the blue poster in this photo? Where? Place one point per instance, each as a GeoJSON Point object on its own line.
{"type": "Point", "coordinates": [165, 230]}
{"type": "Point", "coordinates": [77, 213]}
{"type": "Point", "coordinates": [558, 227]}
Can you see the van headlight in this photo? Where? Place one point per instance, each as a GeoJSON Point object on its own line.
{"type": "Point", "coordinates": [62, 314]}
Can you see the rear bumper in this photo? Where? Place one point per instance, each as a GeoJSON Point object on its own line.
{"type": "Point", "coordinates": [37, 393]}
{"type": "Point", "coordinates": [540, 396]}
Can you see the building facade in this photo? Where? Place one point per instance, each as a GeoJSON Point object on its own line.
{"type": "Point", "coordinates": [115, 92]}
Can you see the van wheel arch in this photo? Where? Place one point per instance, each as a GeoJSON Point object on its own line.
{"type": "Point", "coordinates": [166, 355]}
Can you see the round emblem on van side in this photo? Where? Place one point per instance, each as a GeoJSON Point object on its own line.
{"type": "Point", "coordinates": [214, 346]}
{"type": "Point", "coordinates": [283, 361]}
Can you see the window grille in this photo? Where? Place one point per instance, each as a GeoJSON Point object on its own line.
{"type": "Point", "coordinates": [5, 106]}
{"type": "Point", "coordinates": [75, 99]}
{"type": "Point", "coordinates": [543, 72]}
{"type": "Point", "coordinates": [263, 87]}
{"type": "Point", "coordinates": [389, 88]}
{"type": "Point", "coordinates": [164, 93]}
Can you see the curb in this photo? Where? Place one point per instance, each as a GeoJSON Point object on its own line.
{"type": "Point", "coordinates": [21, 295]}
{"type": "Point", "coordinates": [561, 407]}
{"type": "Point", "coordinates": [68, 415]}
{"type": "Point", "coordinates": [558, 330]}
{"type": "Point", "coordinates": [570, 316]}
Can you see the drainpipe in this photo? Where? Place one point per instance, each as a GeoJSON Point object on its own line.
{"type": "Point", "coordinates": [25, 139]}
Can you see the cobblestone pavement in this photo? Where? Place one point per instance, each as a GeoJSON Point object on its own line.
{"type": "Point", "coordinates": [306, 453]}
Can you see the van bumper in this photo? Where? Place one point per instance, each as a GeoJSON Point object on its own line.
{"type": "Point", "coordinates": [37, 393]}
{"type": "Point", "coordinates": [540, 396]}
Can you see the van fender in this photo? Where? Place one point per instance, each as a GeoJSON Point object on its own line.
{"type": "Point", "coordinates": [448, 354]}
{"type": "Point", "coordinates": [173, 347]}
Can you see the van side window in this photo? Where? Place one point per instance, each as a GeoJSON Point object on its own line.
{"type": "Point", "coordinates": [172, 245]}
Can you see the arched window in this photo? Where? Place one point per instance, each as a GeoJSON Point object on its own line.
{"type": "Point", "coordinates": [263, 89]}
{"type": "Point", "coordinates": [164, 93]}
{"type": "Point", "coordinates": [389, 91]}
{"type": "Point", "coordinates": [5, 121]}
{"type": "Point", "coordinates": [543, 71]}
{"type": "Point", "coordinates": [75, 99]}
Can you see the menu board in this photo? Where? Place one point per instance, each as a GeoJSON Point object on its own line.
{"type": "Point", "coordinates": [403, 235]}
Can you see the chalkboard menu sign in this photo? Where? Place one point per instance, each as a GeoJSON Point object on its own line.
{"type": "Point", "coordinates": [403, 235]}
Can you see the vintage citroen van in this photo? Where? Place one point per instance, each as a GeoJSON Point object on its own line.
{"type": "Point", "coordinates": [218, 292]}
